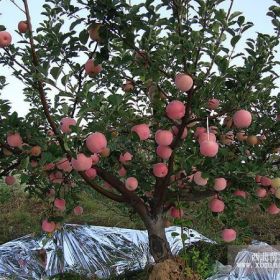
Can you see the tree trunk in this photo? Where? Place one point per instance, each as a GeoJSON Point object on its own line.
{"type": "Point", "coordinates": [159, 246]}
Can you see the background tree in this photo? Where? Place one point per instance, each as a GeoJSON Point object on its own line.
{"type": "Point", "coordinates": [149, 105]}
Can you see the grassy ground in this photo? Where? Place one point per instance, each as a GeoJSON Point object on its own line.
{"type": "Point", "coordinates": [21, 215]}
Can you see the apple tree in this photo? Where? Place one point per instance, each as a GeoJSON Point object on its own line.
{"type": "Point", "coordinates": [151, 104]}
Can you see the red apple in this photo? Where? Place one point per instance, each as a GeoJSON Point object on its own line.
{"type": "Point", "coordinates": [125, 158]}
{"type": "Point", "coordinates": [163, 137]}
{"type": "Point", "coordinates": [199, 180]}
{"type": "Point", "coordinates": [142, 130]}
{"type": "Point", "coordinates": [160, 170]}
{"type": "Point", "coordinates": [92, 69]}
{"type": "Point", "coordinates": [5, 39]}
{"type": "Point", "coordinates": [81, 163]}
{"type": "Point", "coordinates": [175, 110]}
{"type": "Point", "coordinates": [220, 184]}
{"type": "Point", "coordinates": [122, 171]}
{"type": "Point", "coordinates": [10, 180]}
{"type": "Point", "coordinates": [131, 183]}
{"type": "Point", "coordinates": [48, 226]}
{"type": "Point", "coordinates": [96, 142]}
{"type": "Point", "coordinates": [206, 136]}
{"type": "Point", "coordinates": [213, 104]}
{"type": "Point", "coordinates": [22, 26]}
{"type": "Point", "coordinates": [91, 173]}
{"type": "Point", "coordinates": [66, 123]}
{"type": "Point", "coordinates": [183, 82]}
{"type": "Point", "coordinates": [78, 210]}
{"type": "Point", "coordinates": [175, 131]}
{"type": "Point", "coordinates": [64, 165]}
{"type": "Point", "coordinates": [164, 152]}
{"type": "Point", "coordinates": [242, 119]}
{"type": "Point", "coordinates": [60, 204]}
{"type": "Point", "coordinates": [240, 193]}
{"type": "Point", "coordinates": [176, 212]}
{"type": "Point", "coordinates": [261, 192]}
{"type": "Point", "coordinates": [14, 140]}
{"type": "Point", "coordinates": [216, 205]}
{"type": "Point", "coordinates": [273, 209]}
{"type": "Point", "coordinates": [209, 148]}
{"type": "Point", "coordinates": [228, 235]}
{"type": "Point", "coordinates": [265, 181]}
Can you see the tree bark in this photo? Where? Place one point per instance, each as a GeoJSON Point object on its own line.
{"type": "Point", "coordinates": [159, 246]}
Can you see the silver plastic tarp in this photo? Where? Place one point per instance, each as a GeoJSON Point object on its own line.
{"type": "Point", "coordinates": [87, 250]}
{"type": "Point", "coordinates": [258, 261]}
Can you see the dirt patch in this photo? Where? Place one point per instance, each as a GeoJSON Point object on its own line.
{"type": "Point", "coordinates": [172, 269]}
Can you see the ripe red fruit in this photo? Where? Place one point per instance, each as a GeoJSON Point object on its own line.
{"type": "Point", "coordinates": [163, 137]}
{"type": "Point", "coordinates": [206, 136]}
{"type": "Point", "coordinates": [5, 39]}
{"type": "Point", "coordinates": [22, 26]}
{"type": "Point", "coordinates": [95, 159]}
{"type": "Point", "coordinates": [209, 148]}
{"type": "Point", "coordinates": [175, 131]}
{"type": "Point", "coordinates": [160, 170]}
{"type": "Point", "coordinates": [96, 142]}
{"type": "Point", "coordinates": [91, 173]}
{"type": "Point", "coordinates": [199, 180]}
{"type": "Point", "coordinates": [82, 163]}
{"type": "Point", "coordinates": [60, 204]}
{"type": "Point", "coordinates": [131, 183]}
{"type": "Point", "coordinates": [14, 140]}
{"type": "Point", "coordinates": [273, 209]}
{"type": "Point", "coordinates": [92, 69]}
{"type": "Point", "coordinates": [242, 119]}
{"type": "Point", "coordinates": [228, 235]}
{"type": "Point", "coordinates": [176, 212]}
{"type": "Point", "coordinates": [265, 181]}
{"type": "Point", "coordinates": [240, 193]}
{"type": "Point", "coordinates": [56, 177]}
{"type": "Point", "coordinates": [261, 192]}
{"type": "Point", "coordinates": [216, 205]}
{"type": "Point", "coordinates": [48, 166]}
{"type": "Point", "coordinates": [122, 171]}
{"type": "Point", "coordinates": [64, 165]}
{"type": "Point", "coordinates": [220, 184]}
{"type": "Point", "coordinates": [183, 82]}
{"type": "Point", "coordinates": [48, 226]}
{"type": "Point", "coordinates": [199, 130]}
{"type": "Point", "coordinates": [213, 104]}
{"type": "Point", "coordinates": [175, 110]}
{"type": "Point", "coordinates": [124, 158]}
{"type": "Point", "coordinates": [10, 180]}
{"type": "Point", "coordinates": [65, 124]}
{"type": "Point", "coordinates": [258, 178]}
{"type": "Point", "coordinates": [78, 210]}
{"type": "Point", "coordinates": [164, 152]}
{"type": "Point", "coordinates": [142, 130]}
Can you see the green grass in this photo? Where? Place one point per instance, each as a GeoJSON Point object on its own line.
{"type": "Point", "coordinates": [21, 215]}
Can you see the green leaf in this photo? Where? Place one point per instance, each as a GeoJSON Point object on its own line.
{"type": "Point", "coordinates": [115, 99]}
{"type": "Point", "coordinates": [241, 20]}
{"type": "Point", "coordinates": [55, 72]}
{"type": "Point", "coordinates": [83, 36]}
{"type": "Point", "coordinates": [235, 40]}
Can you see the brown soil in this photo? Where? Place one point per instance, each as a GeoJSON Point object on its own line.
{"type": "Point", "coordinates": [172, 269]}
